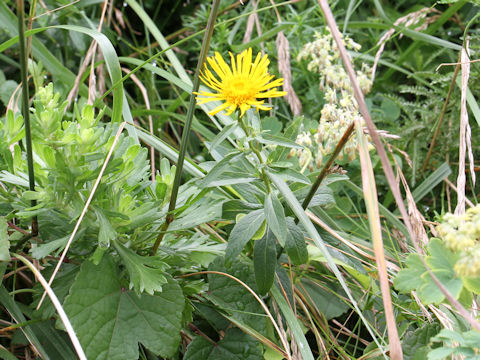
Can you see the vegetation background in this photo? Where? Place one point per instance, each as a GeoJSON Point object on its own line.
{"type": "Point", "coordinates": [341, 223]}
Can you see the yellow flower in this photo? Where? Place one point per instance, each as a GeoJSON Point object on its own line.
{"type": "Point", "coordinates": [240, 86]}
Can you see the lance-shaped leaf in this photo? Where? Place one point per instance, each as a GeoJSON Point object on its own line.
{"type": "Point", "coordinates": [264, 262]}
{"type": "Point", "coordinates": [242, 232]}
{"type": "Point", "coordinates": [275, 216]}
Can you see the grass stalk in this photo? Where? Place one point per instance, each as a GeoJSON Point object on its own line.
{"type": "Point", "coordinates": [188, 124]}
{"type": "Point", "coordinates": [442, 116]}
{"type": "Point", "coordinates": [56, 303]}
{"type": "Point", "coordinates": [387, 167]}
{"type": "Point", "coordinates": [25, 106]}
{"type": "Point", "coordinates": [324, 172]}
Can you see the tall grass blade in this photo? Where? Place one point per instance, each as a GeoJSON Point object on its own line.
{"type": "Point", "coordinates": [58, 307]}
{"type": "Point", "coordinates": [371, 201]}
{"type": "Point", "coordinates": [310, 228]}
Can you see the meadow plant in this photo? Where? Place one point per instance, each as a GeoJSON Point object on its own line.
{"type": "Point", "coordinates": [340, 108]}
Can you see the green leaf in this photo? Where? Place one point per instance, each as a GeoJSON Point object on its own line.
{"type": "Point", "coordinates": [431, 181]}
{"type": "Point", "coordinates": [242, 232]}
{"type": "Point", "coordinates": [107, 233]}
{"type": "Point", "coordinates": [232, 208]}
{"type": "Point", "coordinates": [14, 311]}
{"type": "Point", "coordinates": [429, 292]}
{"type": "Point", "coordinates": [4, 243]}
{"type": "Point", "coordinates": [147, 273]}
{"type": "Point", "coordinates": [472, 284]}
{"type": "Point", "coordinates": [295, 245]}
{"type": "Point", "coordinates": [440, 257]}
{"type": "Point", "coordinates": [236, 345]}
{"type": "Point", "coordinates": [6, 355]}
{"type": "Point", "coordinates": [268, 139]}
{"type": "Point", "coordinates": [257, 40]}
{"type": "Point", "coordinates": [222, 135]}
{"type": "Point", "coordinates": [293, 324]}
{"type": "Point", "coordinates": [415, 342]}
{"type": "Point", "coordinates": [410, 278]}
{"type": "Point", "coordinates": [440, 353]}
{"type": "Point", "coordinates": [264, 262]}
{"type": "Point", "coordinates": [275, 216]}
{"type": "Point", "coordinates": [110, 320]}
{"type": "Point", "coordinates": [219, 168]}
{"type": "Point", "coordinates": [325, 297]}
{"type": "Point", "coordinates": [232, 297]}
{"type": "Point", "coordinates": [281, 153]}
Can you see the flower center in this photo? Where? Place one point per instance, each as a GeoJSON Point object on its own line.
{"type": "Point", "coordinates": [239, 89]}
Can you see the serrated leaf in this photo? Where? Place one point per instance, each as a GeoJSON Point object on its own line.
{"type": "Point", "coordinates": [295, 245]}
{"type": "Point", "coordinates": [147, 273]}
{"type": "Point", "coordinates": [236, 345]}
{"type": "Point", "coordinates": [429, 292]}
{"type": "Point", "coordinates": [440, 257]}
{"type": "Point", "coordinates": [4, 243]}
{"type": "Point", "coordinates": [275, 216]}
{"type": "Point", "coordinates": [264, 262]}
{"type": "Point", "coordinates": [410, 278]}
{"type": "Point", "coordinates": [110, 321]}
{"type": "Point", "coordinates": [242, 232]}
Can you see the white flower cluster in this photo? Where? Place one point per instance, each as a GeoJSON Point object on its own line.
{"type": "Point", "coordinates": [461, 233]}
{"type": "Point", "coordinates": [341, 108]}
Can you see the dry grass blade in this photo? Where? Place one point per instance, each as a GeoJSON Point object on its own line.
{"type": "Point", "coordinates": [84, 211]}
{"type": "Point", "coordinates": [416, 218]}
{"type": "Point", "coordinates": [283, 51]}
{"type": "Point", "coordinates": [454, 188]}
{"type": "Point", "coordinates": [464, 140]}
{"type": "Point", "coordinates": [58, 307]}
{"type": "Point", "coordinates": [371, 202]}
{"type": "Point", "coordinates": [387, 168]}
{"type": "Point", "coordinates": [250, 23]}
{"type": "Point", "coordinates": [143, 90]}
{"type": "Point", "coordinates": [407, 20]}
{"type": "Point", "coordinates": [88, 57]}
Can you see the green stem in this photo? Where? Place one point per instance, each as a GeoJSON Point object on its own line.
{"type": "Point", "coordinates": [188, 124]}
{"type": "Point", "coordinates": [324, 172]}
{"type": "Point", "coordinates": [25, 106]}
{"type": "Point", "coordinates": [257, 153]}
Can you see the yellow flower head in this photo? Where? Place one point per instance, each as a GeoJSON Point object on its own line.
{"type": "Point", "coordinates": [241, 86]}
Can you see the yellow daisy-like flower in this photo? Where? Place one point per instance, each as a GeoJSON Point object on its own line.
{"type": "Point", "coordinates": [240, 86]}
